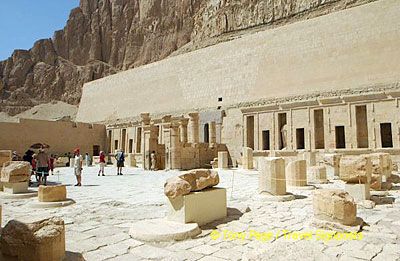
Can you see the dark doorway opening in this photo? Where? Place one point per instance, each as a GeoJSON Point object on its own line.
{"type": "Point", "coordinates": [250, 131]}
{"type": "Point", "coordinates": [130, 145]}
{"type": "Point", "coordinates": [265, 140]}
{"type": "Point", "coordinates": [138, 140]}
{"type": "Point", "coordinates": [340, 137]}
{"type": "Point", "coordinates": [386, 135]}
{"type": "Point", "coordinates": [300, 144]}
{"type": "Point", "coordinates": [206, 133]}
{"type": "Point", "coordinates": [362, 126]}
{"type": "Point", "coordinates": [96, 150]}
{"type": "Point", "coordinates": [319, 129]}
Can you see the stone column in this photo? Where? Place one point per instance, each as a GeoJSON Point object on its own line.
{"type": "Point", "coordinates": [212, 133]}
{"type": "Point", "coordinates": [222, 159]}
{"type": "Point", "coordinates": [175, 150]}
{"type": "Point", "coordinates": [247, 159]}
{"type": "Point", "coordinates": [271, 176]}
{"type": "Point", "coordinates": [150, 135]}
{"type": "Point", "coordinates": [183, 128]}
{"type": "Point", "coordinates": [193, 127]}
{"type": "Point", "coordinates": [296, 172]}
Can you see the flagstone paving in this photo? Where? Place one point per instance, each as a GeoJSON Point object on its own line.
{"type": "Point", "coordinates": [97, 225]}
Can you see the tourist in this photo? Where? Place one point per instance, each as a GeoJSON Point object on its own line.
{"type": "Point", "coordinates": [28, 157]}
{"type": "Point", "coordinates": [33, 163]}
{"type": "Point", "coordinates": [15, 156]}
{"type": "Point", "coordinates": [51, 164]}
{"type": "Point", "coordinates": [42, 166]}
{"type": "Point", "coordinates": [78, 166]}
{"type": "Point", "coordinates": [120, 157]}
{"type": "Point", "coordinates": [87, 159]}
{"type": "Point", "coordinates": [153, 161]}
{"type": "Point", "coordinates": [102, 163]}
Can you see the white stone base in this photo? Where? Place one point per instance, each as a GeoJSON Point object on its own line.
{"type": "Point", "coordinates": [56, 204]}
{"type": "Point", "coordinates": [265, 196]}
{"type": "Point", "coordinates": [28, 194]}
{"type": "Point", "coordinates": [359, 192]}
{"type": "Point", "coordinates": [200, 207]}
{"type": "Point", "coordinates": [15, 188]}
{"type": "Point", "coordinates": [308, 187]}
{"type": "Point", "coordinates": [161, 230]}
{"type": "Point", "coordinates": [333, 226]}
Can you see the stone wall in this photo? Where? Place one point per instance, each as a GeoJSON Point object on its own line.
{"type": "Point", "coordinates": [62, 136]}
{"type": "Point", "coordinates": [349, 49]}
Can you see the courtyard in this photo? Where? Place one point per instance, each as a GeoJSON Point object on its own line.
{"type": "Point", "coordinates": [97, 224]}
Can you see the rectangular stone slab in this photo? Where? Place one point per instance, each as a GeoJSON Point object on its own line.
{"type": "Point", "coordinates": [52, 193]}
{"type": "Point", "coordinates": [271, 177]}
{"type": "Point", "coordinates": [15, 188]}
{"type": "Point", "coordinates": [222, 159]}
{"type": "Point", "coordinates": [15, 171]}
{"type": "Point", "coordinates": [200, 207]}
{"type": "Point", "coordinates": [359, 192]}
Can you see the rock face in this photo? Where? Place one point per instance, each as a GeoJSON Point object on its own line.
{"type": "Point", "coordinates": [193, 180]}
{"type": "Point", "coordinates": [39, 241]}
{"type": "Point", "coordinates": [356, 169]}
{"type": "Point", "coordinates": [15, 171]}
{"type": "Point", "coordinates": [103, 37]}
{"type": "Point", "coordinates": [52, 193]}
{"type": "Point", "coordinates": [334, 206]}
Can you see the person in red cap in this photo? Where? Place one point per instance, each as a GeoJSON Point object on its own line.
{"type": "Point", "coordinates": [78, 161]}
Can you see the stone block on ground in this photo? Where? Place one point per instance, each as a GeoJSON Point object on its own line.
{"type": "Point", "coordinates": [381, 165]}
{"type": "Point", "coordinates": [334, 206]}
{"type": "Point", "coordinates": [52, 193]}
{"type": "Point", "coordinates": [359, 192]}
{"type": "Point", "coordinates": [200, 207]}
{"type": "Point", "coordinates": [247, 158]}
{"type": "Point", "coordinates": [39, 241]}
{"type": "Point", "coordinates": [271, 177]}
{"type": "Point", "coordinates": [15, 171]}
{"type": "Point", "coordinates": [296, 173]}
{"type": "Point", "coordinates": [317, 174]}
{"type": "Point", "coordinates": [222, 159]}
{"type": "Point", "coordinates": [356, 169]}
{"type": "Point", "coordinates": [15, 188]}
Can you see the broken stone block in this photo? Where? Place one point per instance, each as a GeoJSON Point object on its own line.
{"type": "Point", "coordinates": [5, 156]}
{"type": "Point", "coordinates": [52, 193]}
{"type": "Point", "coordinates": [247, 159]}
{"type": "Point", "coordinates": [39, 241]}
{"type": "Point", "coordinates": [271, 177]}
{"type": "Point", "coordinates": [193, 180]}
{"type": "Point", "coordinates": [334, 206]}
{"type": "Point", "coordinates": [359, 192]}
{"type": "Point", "coordinates": [15, 188]}
{"type": "Point", "coordinates": [381, 165]}
{"type": "Point", "coordinates": [332, 164]}
{"type": "Point", "coordinates": [199, 207]}
{"type": "Point", "coordinates": [15, 171]}
{"type": "Point", "coordinates": [296, 173]}
{"type": "Point", "coordinates": [317, 174]}
{"type": "Point", "coordinates": [175, 187]}
{"type": "Point", "coordinates": [222, 159]}
{"type": "Point", "coordinates": [356, 169]}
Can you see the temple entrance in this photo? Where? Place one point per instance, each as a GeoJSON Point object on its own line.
{"type": "Point", "coordinates": [300, 144]}
{"type": "Point", "coordinates": [206, 133]}
{"type": "Point", "coordinates": [386, 135]}
{"type": "Point", "coordinates": [362, 126]}
{"type": "Point", "coordinates": [319, 129]}
{"type": "Point", "coordinates": [250, 131]}
{"type": "Point", "coordinates": [123, 140]}
{"type": "Point", "coordinates": [96, 150]}
{"type": "Point", "coordinates": [265, 140]}
{"type": "Point", "coordinates": [340, 137]}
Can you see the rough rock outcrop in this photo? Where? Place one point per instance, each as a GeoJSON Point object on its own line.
{"type": "Point", "coordinates": [15, 171]}
{"type": "Point", "coordinates": [102, 37]}
{"type": "Point", "coordinates": [193, 180]}
{"type": "Point", "coordinates": [39, 241]}
{"type": "Point", "coordinates": [334, 206]}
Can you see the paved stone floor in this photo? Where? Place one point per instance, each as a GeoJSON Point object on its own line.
{"type": "Point", "coordinates": [97, 225]}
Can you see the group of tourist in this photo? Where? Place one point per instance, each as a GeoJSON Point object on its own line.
{"type": "Point", "coordinates": [43, 164]}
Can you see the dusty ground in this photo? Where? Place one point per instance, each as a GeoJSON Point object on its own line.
{"type": "Point", "coordinates": [97, 225]}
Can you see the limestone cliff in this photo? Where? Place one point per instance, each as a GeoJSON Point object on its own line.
{"type": "Point", "coordinates": [103, 37]}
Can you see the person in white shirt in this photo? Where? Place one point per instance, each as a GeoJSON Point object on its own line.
{"type": "Point", "coordinates": [78, 166]}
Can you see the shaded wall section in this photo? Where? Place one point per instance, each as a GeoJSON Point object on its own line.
{"type": "Point", "coordinates": [62, 136]}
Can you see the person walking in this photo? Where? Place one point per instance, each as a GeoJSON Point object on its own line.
{"type": "Point", "coordinates": [51, 164]}
{"type": "Point", "coordinates": [78, 167]}
{"type": "Point", "coordinates": [28, 157]}
{"type": "Point", "coordinates": [87, 159]}
{"type": "Point", "coordinates": [120, 157]}
{"type": "Point", "coordinates": [102, 163]}
{"type": "Point", "coordinates": [42, 166]}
